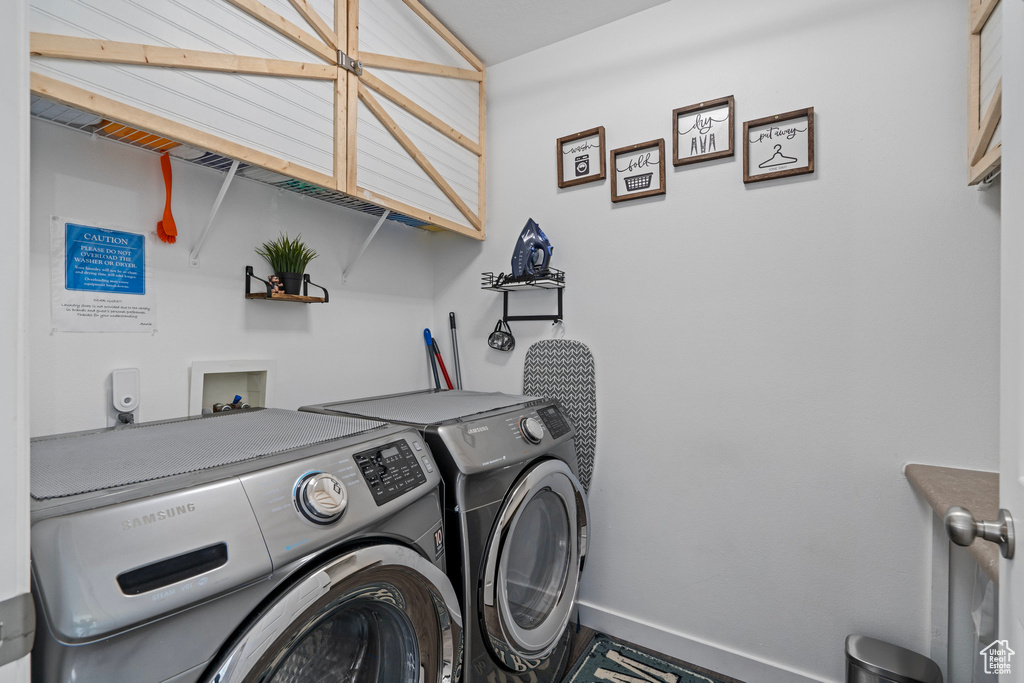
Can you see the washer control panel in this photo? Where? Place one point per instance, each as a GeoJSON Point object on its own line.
{"type": "Point", "coordinates": [320, 497]}
{"type": "Point", "coordinates": [390, 470]}
{"type": "Point", "coordinates": [532, 429]}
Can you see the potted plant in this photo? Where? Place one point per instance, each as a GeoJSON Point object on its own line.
{"type": "Point", "coordinates": [288, 258]}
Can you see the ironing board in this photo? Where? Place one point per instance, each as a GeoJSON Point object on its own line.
{"type": "Point", "coordinates": [564, 369]}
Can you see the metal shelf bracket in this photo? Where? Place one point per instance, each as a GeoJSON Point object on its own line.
{"type": "Point", "coordinates": [366, 243]}
{"type": "Point", "coordinates": [193, 256]}
{"type": "Point", "coordinates": [551, 278]}
{"type": "Point", "coordinates": [555, 319]}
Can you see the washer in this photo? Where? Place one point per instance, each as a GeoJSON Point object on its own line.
{"type": "Point", "coordinates": [519, 516]}
{"type": "Point", "coordinates": [242, 546]}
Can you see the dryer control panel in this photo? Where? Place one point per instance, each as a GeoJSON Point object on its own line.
{"type": "Point", "coordinates": [554, 421]}
{"type": "Point", "coordinates": [390, 470]}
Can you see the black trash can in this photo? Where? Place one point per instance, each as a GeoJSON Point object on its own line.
{"type": "Point", "coordinates": [874, 661]}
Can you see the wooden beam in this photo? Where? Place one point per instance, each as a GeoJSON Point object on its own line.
{"type": "Point", "coordinates": [108, 51]}
{"type": "Point", "coordinates": [316, 21]}
{"type": "Point", "coordinates": [341, 166]}
{"type": "Point", "coordinates": [270, 18]}
{"type": "Point", "coordinates": [973, 89]}
{"type": "Point", "coordinates": [400, 64]}
{"type": "Point", "coordinates": [341, 23]}
{"type": "Point", "coordinates": [353, 28]}
{"type": "Point", "coordinates": [988, 124]}
{"type": "Point", "coordinates": [981, 10]}
{"type": "Point", "coordinates": [449, 37]}
{"type": "Point", "coordinates": [482, 166]}
{"type": "Point", "coordinates": [353, 140]}
{"type": "Point", "coordinates": [419, 112]}
{"type": "Point", "coordinates": [988, 163]}
{"type": "Point", "coordinates": [347, 12]}
{"type": "Point", "coordinates": [410, 147]}
{"type": "Point", "coordinates": [419, 213]}
{"type": "Point", "coordinates": [76, 97]}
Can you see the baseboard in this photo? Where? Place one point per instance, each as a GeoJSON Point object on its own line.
{"type": "Point", "coordinates": [708, 655]}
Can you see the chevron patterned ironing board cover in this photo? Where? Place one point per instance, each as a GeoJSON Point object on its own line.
{"type": "Point", "coordinates": [564, 369]}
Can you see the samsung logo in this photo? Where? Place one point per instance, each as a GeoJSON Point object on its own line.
{"type": "Point", "coordinates": [158, 516]}
{"type": "Point", "coordinates": [477, 430]}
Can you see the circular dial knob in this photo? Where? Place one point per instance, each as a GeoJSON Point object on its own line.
{"type": "Point", "coordinates": [532, 429]}
{"type": "Point", "coordinates": [321, 497]}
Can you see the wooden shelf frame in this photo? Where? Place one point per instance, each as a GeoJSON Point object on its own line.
{"type": "Point", "coordinates": [981, 161]}
{"type": "Point", "coordinates": [270, 295]}
{"type": "Point", "coordinates": [324, 42]}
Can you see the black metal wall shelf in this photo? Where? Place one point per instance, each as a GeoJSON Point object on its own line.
{"type": "Point", "coordinates": [552, 278]}
{"type": "Point", "coordinates": [271, 295]}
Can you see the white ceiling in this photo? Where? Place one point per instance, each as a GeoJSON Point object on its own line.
{"type": "Point", "coordinates": [496, 30]}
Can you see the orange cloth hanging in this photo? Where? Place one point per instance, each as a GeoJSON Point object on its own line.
{"type": "Point", "coordinates": [166, 229]}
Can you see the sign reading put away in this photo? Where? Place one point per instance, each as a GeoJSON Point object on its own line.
{"type": "Point", "coordinates": [99, 280]}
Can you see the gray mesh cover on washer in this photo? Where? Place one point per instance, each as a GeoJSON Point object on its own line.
{"type": "Point", "coordinates": [430, 407]}
{"type": "Point", "coordinates": [73, 464]}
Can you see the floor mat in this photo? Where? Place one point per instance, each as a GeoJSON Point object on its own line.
{"type": "Point", "coordinates": [607, 659]}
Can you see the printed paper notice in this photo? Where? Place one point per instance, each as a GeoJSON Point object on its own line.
{"type": "Point", "coordinates": [100, 279]}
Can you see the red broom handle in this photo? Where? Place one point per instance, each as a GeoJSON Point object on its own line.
{"type": "Point", "coordinates": [440, 361]}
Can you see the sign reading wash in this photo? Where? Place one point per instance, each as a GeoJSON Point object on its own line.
{"type": "Point", "coordinates": [99, 280]}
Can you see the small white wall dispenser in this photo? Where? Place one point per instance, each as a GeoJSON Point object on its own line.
{"type": "Point", "coordinates": [125, 395]}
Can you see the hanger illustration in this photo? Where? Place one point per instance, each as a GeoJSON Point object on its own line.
{"type": "Point", "coordinates": [777, 159]}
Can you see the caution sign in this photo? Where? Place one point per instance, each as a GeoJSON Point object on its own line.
{"type": "Point", "coordinates": [101, 260]}
{"type": "Point", "coordinates": [100, 279]}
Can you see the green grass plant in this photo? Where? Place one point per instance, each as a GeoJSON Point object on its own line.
{"type": "Point", "coordinates": [287, 255]}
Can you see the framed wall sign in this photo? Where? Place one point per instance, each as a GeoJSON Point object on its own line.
{"type": "Point", "coordinates": [702, 131]}
{"type": "Point", "coordinates": [638, 170]}
{"type": "Point", "coordinates": [581, 157]}
{"type": "Point", "coordinates": [778, 146]}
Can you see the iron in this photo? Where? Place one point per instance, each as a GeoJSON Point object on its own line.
{"type": "Point", "coordinates": [532, 253]}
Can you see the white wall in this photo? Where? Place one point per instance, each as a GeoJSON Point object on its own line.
{"type": "Point", "coordinates": [367, 339]}
{"type": "Point", "coordinates": [768, 356]}
{"type": "Point", "coordinates": [14, 159]}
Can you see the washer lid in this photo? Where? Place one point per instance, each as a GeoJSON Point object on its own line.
{"type": "Point", "coordinates": [426, 407]}
{"type": "Point", "coordinates": [71, 464]}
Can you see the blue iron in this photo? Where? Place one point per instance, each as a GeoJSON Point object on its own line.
{"type": "Point", "coordinates": [532, 253]}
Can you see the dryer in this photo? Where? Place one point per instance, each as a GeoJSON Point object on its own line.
{"type": "Point", "coordinates": [242, 546]}
{"type": "Point", "coordinates": [516, 518]}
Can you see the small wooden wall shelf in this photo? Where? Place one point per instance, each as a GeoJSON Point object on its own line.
{"type": "Point", "coordinates": [270, 295]}
{"type": "Point", "coordinates": [288, 297]}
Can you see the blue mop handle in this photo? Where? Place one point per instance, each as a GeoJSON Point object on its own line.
{"type": "Point", "coordinates": [430, 354]}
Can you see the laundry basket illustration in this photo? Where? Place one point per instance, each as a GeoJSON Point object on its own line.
{"type": "Point", "coordinates": [638, 182]}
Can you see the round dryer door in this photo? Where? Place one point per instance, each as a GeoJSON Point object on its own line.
{"type": "Point", "coordinates": [533, 564]}
{"type": "Point", "coordinates": [378, 614]}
